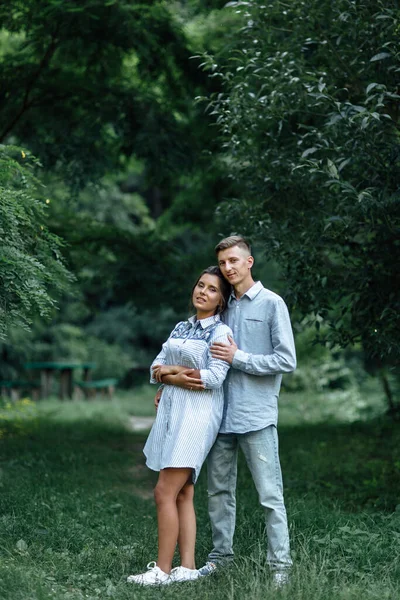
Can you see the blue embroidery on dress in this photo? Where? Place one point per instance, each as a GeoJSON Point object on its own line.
{"type": "Point", "coordinates": [186, 330]}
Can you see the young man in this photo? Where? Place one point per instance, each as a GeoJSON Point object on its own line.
{"type": "Point", "coordinates": [262, 349]}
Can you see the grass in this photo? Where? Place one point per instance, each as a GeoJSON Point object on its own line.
{"type": "Point", "coordinates": [77, 515]}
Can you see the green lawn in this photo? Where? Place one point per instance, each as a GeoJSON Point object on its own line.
{"type": "Point", "coordinates": [77, 515]}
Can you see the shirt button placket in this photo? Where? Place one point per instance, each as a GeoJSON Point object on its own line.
{"type": "Point", "coordinates": [237, 316]}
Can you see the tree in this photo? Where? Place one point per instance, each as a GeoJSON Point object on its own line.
{"type": "Point", "coordinates": [84, 83]}
{"type": "Point", "coordinates": [32, 270]}
{"type": "Point", "coordinates": [309, 125]}
{"type": "Point", "coordinates": [103, 93]}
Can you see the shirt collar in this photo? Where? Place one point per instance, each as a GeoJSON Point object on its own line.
{"type": "Point", "coordinates": [204, 322]}
{"type": "Point", "coordinates": [254, 290]}
{"type": "Point", "coordinates": [251, 292]}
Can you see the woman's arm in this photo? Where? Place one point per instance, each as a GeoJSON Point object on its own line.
{"type": "Point", "coordinates": [210, 377]}
{"type": "Point", "coordinates": [189, 379]}
{"type": "Point", "coordinates": [159, 371]}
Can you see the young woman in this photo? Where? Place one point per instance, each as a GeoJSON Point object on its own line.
{"type": "Point", "coordinates": [188, 419]}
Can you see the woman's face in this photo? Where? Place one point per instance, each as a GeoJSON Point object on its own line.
{"type": "Point", "coordinates": [206, 295]}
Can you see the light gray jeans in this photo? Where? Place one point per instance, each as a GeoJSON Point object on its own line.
{"type": "Point", "coordinates": [260, 449]}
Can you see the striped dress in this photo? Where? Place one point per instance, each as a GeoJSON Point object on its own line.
{"type": "Point", "coordinates": [188, 421]}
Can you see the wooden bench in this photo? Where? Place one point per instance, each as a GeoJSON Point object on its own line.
{"type": "Point", "coordinates": [13, 388]}
{"type": "Point", "coordinates": [105, 387]}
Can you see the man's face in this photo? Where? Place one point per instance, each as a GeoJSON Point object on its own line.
{"type": "Point", "coordinates": [235, 264]}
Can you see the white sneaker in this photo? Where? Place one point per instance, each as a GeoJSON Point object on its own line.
{"type": "Point", "coordinates": [184, 574]}
{"type": "Point", "coordinates": [280, 579]}
{"type": "Point", "coordinates": [153, 576]}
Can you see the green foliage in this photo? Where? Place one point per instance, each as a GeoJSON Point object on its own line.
{"type": "Point", "coordinates": [309, 125]}
{"type": "Point", "coordinates": [208, 26]}
{"type": "Point", "coordinates": [334, 375]}
{"type": "Point", "coordinates": [18, 418]}
{"type": "Point", "coordinates": [103, 93]}
{"type": "Point", "coordinates": [83, 83]}
{"type": "Point", "coordinates": [31, 266]}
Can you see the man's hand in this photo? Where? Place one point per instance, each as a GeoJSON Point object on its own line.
{"type": "Point", "coordinates": [223, 351]}
{"type": "Point", "coordinates": [185, 380]}
{"type": "Point", "coordinates": [157, 398]}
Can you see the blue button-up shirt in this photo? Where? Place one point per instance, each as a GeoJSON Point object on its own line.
{"type": "Point", "coordinates": [261, 328]}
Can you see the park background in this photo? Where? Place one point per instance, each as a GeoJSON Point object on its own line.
{"type": "Point", "coordinates": [133, 136]}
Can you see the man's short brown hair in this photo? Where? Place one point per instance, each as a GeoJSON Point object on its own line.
{"type": "Point", "coordinates": [233, 240]}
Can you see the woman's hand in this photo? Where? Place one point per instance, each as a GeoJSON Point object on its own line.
{"type": "Point", "coordinates": [160, 370]}
{"type": "Point", "coordinates": [189, 379]}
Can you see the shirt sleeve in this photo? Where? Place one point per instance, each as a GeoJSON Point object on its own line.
{"type": "Point", "coordinates": [214, 373]}
{"type": "Point", "coordinates": [160, 359]}
{"type": "Point", "coordinates": [283, 357]}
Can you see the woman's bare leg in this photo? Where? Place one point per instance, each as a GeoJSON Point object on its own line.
{"type": "Point", "coordinates": [170, 483]}
{"type": "Point", "coordinates": [187, 526]}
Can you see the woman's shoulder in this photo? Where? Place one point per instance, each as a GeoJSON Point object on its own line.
{"type": "Point", "coordinates": [223, 329]}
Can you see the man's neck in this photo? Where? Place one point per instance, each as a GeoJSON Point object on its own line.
{"type": "Point", "coordinates": [242, 287]}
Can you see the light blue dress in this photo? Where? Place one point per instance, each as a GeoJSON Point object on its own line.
{"type": "Point", "coordinates": [188, 422]}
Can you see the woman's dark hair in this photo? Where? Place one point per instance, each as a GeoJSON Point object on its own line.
{"type": "Point", "coordinates": [225, 286]}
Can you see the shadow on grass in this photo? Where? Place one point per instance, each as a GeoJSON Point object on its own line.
{"type": "Point", "coordinates": [357, 464]}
